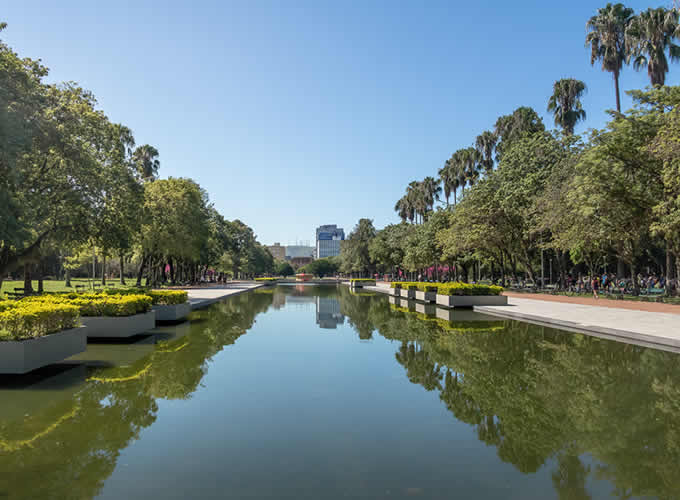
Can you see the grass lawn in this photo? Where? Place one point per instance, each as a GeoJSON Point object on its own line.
{"type": "Point", "coordinates": [58, 286]}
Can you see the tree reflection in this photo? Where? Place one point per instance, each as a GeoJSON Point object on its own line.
{"type": "Point", "coordinates": [70, 447]}
{"type": "Point", "coordinates": [541, 396]}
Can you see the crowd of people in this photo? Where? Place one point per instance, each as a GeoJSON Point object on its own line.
{"type": "Point", "coordinates": [610, 283]}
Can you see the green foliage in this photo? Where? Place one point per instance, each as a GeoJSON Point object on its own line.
{"type": "Point", "coordinates": [452, 288]}
{"type": "Point", "coordinates": [327, 266]}
{"type": "Point", "coordinates": [97, 304]}
{"type": "Point", "coordinates": [167, 297]}
{"type": "Point", "coordinates": [21, 320]}
{"type": "Point", "coordinates": [354, 251]}
{"type": "Point", "coordinates": [283, 268]}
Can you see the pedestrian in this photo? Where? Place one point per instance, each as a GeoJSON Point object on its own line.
{"type": "Point", "coordinates": [595, 285]}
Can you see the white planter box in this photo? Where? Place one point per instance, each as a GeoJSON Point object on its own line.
{"type": "Point", "coordinates": [407, 294]}
{"type": "Point", "coordinates": [173, 312]}
{"type": "Point", "coordinates": [361, 284]}
{"type": "Point", "coordinates": [119, 326]}
{"type": "Point", "coordinates": [426, 309]}
{"type": "Point", "coordinates": [23, 356]}
{"type": "Point", "coordinates": [426, 296]}
{"type": "Point", "coordinates": [471, 300]}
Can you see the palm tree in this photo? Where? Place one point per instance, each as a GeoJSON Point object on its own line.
{"type": "Point", "coordinates": [470, 166]}
{"type": "Point", "coordinates": [486, 144]}
{"type": "Point", "coordinates": [416, 195]}
{"type": "Point", "coordinates": [565, 103]}
{"type": "Point", "coordinates": [404, 209]}
{"type": "Point", "coordinates": [649, 35]}
{"type": "Point", "coordinates": [607, 40]}
{"type": "Point", "coordinates": [445, 178]}
{"type": "Point", "coordinates": [431, 191]}
{"type": "Point", "coordinates": [146, 161]}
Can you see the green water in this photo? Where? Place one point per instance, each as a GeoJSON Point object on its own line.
{"type": "Point", "coordinates": [308, 392]}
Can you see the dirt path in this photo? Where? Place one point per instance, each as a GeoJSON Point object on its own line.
{"type": "Point", "coordinates": [614, 304]}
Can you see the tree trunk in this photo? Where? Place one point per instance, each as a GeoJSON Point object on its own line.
{"type": "Point", "coordinates": [104, 268]}
{"type": "Point", "coordinates": [40, 277]}
{"type": "Point", "coordinates": [121, 257]}
{"type": "Point", "coordinates": [67, 277]}
{"type": "Point", "coordinates": [172, 270]}
{"type": "Point", "coordinates": [636, 286]}
{"type": "Point", "coordinates": [669, 262]}
{"type": "Point", "coordinates": [618, 95]}
{"type": "Point", "coordinates": [140, 272]}
{"type": "Point", "coordinates": [28, 284]}
{"type": "Point", "coordinates": [620, 268]}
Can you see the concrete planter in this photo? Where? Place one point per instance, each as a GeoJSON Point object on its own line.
{"type": "Point", "coordinates": [173, 312]}
{"type": "Point", "coordinates": [426, 309]}
{"type": "Point", "coordinates": [23, 356]}
{"type": "Point", "coordinates": [407, 294]}
{"type": "Point", "coordinates": [119, 326]}
{"type": "Point", "coordinates": [266, 282]}
{"type": "Point", "coordinates": [361, 284]}
{"type": "Point", "coordinates": [426, 296]}
{"type": "Point", "coordinates": [471, 300]}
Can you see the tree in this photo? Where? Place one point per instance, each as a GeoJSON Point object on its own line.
{"type": "Point", "coordinates": [283, 268]}
{"type": "Point", "coordinates": [354, 251]}
{"type": "Point", "coordinates": [649, 35]}
{"type": "Point", "coordinates": [565, 103]}
{"type": "Point", "coordinates": [486, 145]}
{"type": "Point", "coordinates": [323, 267]}
{"type": "Point", "coordinates": [607, 40]}
{"type": "Point", "coordinates": [146, 161]}
{"type": "Point", "coordinates": [509, 128]}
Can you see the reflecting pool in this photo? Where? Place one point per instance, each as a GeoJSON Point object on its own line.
{"type": "Point", "coordinates": [315, 392]}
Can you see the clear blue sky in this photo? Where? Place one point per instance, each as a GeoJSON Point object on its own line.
{"type": "Point", "coordinates": [300, 113]}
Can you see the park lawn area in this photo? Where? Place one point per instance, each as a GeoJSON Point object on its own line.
{"type": "Point", "coordinates": [59, 285]}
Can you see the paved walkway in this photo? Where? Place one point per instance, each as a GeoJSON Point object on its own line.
{"type": "Point", "coordinates": [203, 297]}
{"type": "Point", "coordinates": [590, 301]}
{"type": "Point", "coordinates": [654, 329]}
{"type": "Point", "coordinates": [637, 323]}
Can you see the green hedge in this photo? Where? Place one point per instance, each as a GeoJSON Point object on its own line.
{"type": "Point", "coordinates": [453, 288]}
{"type": "Point", "coordinates": [21, 320]}
{"type": "Point", "coordinates": [266, 279]}
{"type": "Point", "coordinates": [358, 280]}
{"type": "Point", "coordinates": [168, 297]}
{"type": "Point", "coordinates": [98, 304]}
{"type": "Point", "coordinates": [158, 297]}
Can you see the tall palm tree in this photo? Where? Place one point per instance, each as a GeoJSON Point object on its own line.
{"type": "Point", "coordinates": [416, 195]}
{"type": "Point", "coordinates": [146, 161]}
{"type": "Point", "coordinates": [446, 180]}
{"type": "Point", "coordinates": [565, 103]}
{"type": "Point", "coordinates": [471, 165]}
{"type": "Point", "coordinates": [404, 209]}
{"type": "Point", "coordinates": [649, 35]}
{"type": "Point", "coordinates": [486, 145]}
{"type": "Point", "coordinates": [431, 191]}
{"type": "Point", "coordinates": [607, 40]}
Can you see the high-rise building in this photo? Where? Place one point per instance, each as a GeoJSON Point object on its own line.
{"type": "Point", "coordinates": [328, 240]}
{"type": "Point", "coordinates": [277, 251]}
{"type": "Point", "coordinates": [328, 313]}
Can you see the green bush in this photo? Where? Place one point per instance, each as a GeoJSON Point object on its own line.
{"type": "Point", "coordinates": [467, 289]}
{"type": "Point", "coordinates": [98, 304]}
{"type": "Point", "coordinates": [266, 279]}
{"type": "Point", "coordinates": [21, 320]}
{"type": "Point", "coordinates": [168, 297]}
{"type": "Point", "coordinates": [453, 288]}
{"type": "Point", "coordinates": [359, 280]}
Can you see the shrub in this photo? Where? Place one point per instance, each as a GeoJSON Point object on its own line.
{"type": "Point", "coordinates": [467, 289]}
{"type": "Point", "coordinates": [168, 297]}
{"type": "Point", "coordinates": [359, 280]}
{"type": "Point", "coordinates": [98, 304]}
{"type": "Point", "coordinates": [266, 279]}
{"type": "Point", "coordinates": [21, 320]}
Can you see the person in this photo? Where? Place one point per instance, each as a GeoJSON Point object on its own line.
{"type": "Point", "coordinates": [595, 285]}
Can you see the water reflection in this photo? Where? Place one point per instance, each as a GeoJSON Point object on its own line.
{"type": "Point", "coordinates": [591, 417]}
{"type": "Point", "coordinates": [70, 427]}
{"type": "Point", "coordinates": [545, 397]}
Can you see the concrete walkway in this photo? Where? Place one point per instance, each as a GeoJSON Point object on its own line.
{"type": "Point", "coordinates": [203, 297]}
{"type": "Point", "coordinates": [659, 330]}
{"type": "Point", "coordinates": [653, 329]}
